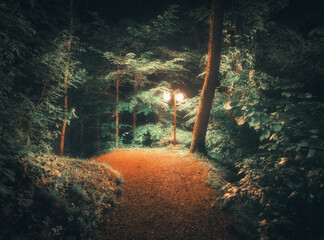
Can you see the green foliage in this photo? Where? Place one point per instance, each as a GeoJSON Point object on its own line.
{"type": "Point", "coordinates": [32, 69]}
{"type": "Point", "coordinates": [200, 15]}
{"type": "Point", "coordinates": [257, 14]}
{"type": "Point", "coordinates": [190, 107]}
{"type": "Point", "coordinates": [132, 53]}
{"type": "Point", "coordinates": [159, 28]}
{"type": "Point", "coordinates": [59, 192]}
{"type": "Point", "coordinates": [148, 133]}
{"type": "Point", "coordinates": [266, 133]}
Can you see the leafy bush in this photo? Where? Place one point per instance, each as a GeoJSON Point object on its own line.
{"type": "Point", "coordinates": [149, 133]}
{"type": "Point", "coordinates": [55, 198]}
{"type": "Point", "coordinates": [268, 137]}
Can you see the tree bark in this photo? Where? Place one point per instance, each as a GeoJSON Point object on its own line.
{"type": "Point", "coordinates": [160, 115]}
{"type": "Point", "coordinates": [66, 80]}
{"type": "Point", "coordinates": [211, 79]}
{"type": "Point", "coordinates": [98, 136]}
{"type": "Point", "coordinates": [117, 112]}
{"type": "Point", "coordinates": [81, 132]}
{"type": "Point", "coordinates": [175, 119]}
{"type": "Point", "coordinates": [134, 110]}
{"type": "Point", "coordinates": [237, 63]}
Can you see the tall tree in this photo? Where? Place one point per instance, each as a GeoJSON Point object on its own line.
{"type": "Point", "coordinates": [117, 110]}
{"type": "Point", "coordinates": [66, 80]}
{"type": "Point", "coordinates": [211, 79]}
{"type": "Point", "coordinates": [134, 110]}
{"type": "Point", "coordinates": [234, 41]}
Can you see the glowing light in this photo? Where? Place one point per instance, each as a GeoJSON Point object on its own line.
{"type": "Point", "coordinates": [167, 97]}
{"type": "Point", "coordinates": [179, 97]}
{"type": "Point", "coordinates": [227, 106]}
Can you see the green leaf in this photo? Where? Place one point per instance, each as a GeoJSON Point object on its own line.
{"type": "Point", "coordinates": [303, 144]}
{"type": "Point", "coordinates": [265, 119]}
{"type": "Point", "coordinates": [265, 86]}
{"type": "Point", "coordinates": [253, 122]}
{"type": "Point", "coordinates": [265, 134]}
{"type": "Point", "coordinates": [311, 153]}
{"type": "Point", "coordinates": [291, 148]}
{"type": "Point", "coordinates": [276, 127]}
{"type": "Point", "coordinates": [250, 112]}
{"type": "Point", "coordinates": [314, 131]}
{"type": "Point", "coordinates": [287, 94]}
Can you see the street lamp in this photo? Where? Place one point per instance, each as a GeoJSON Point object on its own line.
{"type": "Point", "coordinates": [167, 97]}
{"type": "Point", "coordinates": [177, 96]}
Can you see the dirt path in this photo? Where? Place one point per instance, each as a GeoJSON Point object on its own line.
{"type": "Point", "coordinates": [165, 197]}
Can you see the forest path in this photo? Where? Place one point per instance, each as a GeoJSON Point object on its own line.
{"type": "Point", "coordinates": [165, 197]}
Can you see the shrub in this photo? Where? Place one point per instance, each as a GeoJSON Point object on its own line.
{"type": "Point", "coordinates": [268, 138]}
{"type": "Point", "coordinates": [57, 198]}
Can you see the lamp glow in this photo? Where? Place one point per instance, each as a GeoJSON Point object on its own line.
{"type": "Point", "coordinates": [179, 97]}
{"type": "Point", "coordinates": [167, 97]}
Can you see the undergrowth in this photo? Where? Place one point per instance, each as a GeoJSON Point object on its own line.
{"type": "Point", "coordinates": [267, 138]}
{"type": "Point", "coordinates": [48, 197]}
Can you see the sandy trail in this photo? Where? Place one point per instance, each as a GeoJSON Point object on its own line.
{"type": "Point", "coordinates": [165, 197]}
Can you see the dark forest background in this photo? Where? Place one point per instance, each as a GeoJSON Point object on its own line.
{"type": "Point", "coordinates": [113, 60]}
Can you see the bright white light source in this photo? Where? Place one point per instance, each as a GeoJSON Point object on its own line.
{"type": "Point", "coordinates": [166, 97]}
{"type": "Point", "coordinates": [179, 97]}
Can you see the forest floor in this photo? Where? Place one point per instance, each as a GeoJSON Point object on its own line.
{"type": "Point", "coordinates": [166, 196]}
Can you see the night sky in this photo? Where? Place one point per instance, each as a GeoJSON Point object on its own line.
{"type": "Point", "coordinates": [302, 14]}
{"type": "Point", "coordinates": [114, 11]}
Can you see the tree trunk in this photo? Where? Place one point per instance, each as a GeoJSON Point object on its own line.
{"type": "Point", "coordinates": [81, 132]}
{"type": "Point", "coordinates": [117, 112]}
{"type": "Point", "coordinates": [66, 80]}
{"type": "Point", "coordinates": [134, 110]}
{"type": "Point", "coordinates": [98, 136]}
{"type": "Point", "coordinates": [175, 120]}
{"type": "Point", "coordinates": [211, 79]}
{"type": "Point", "coordinates": [160, 115]}
{"type": "Point", "coordinates": [237, 63]}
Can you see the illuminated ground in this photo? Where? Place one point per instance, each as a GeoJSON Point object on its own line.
{"type": "Point", "coordinates": [165, 197]}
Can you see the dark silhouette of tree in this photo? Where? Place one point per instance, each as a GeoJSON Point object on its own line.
{"type": "Point", "coordinates": [211, 79]}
